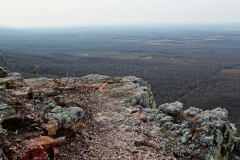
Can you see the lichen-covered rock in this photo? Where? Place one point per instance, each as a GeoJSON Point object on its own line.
{"type": "Point", "coordinates": [134, 80]}
{"type": "Point", "coordinates": [131, 90]}
{"type": "Point", "coordinates": [124, 108]}
{"type": "Point", "coordinates": [171, 109]}
{"type": "Point", "coordinates": [215, 133]}
{"type": "Point", "coordinates": [67, 118]}
{"type": "Point", "coordinates": [192, 133]}
{"type": "Point", "coordinates": [208, 134]}
{"type": "Point", "coordinates": [47, 105]}
{"type": "Point", "coordinates": [6, 112]}
{"type": "Point", "coordinates": [15, 75]}
{"type": "Point", "coordinates": [193, 112]}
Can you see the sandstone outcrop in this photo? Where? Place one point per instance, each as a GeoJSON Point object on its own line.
{"type": "Point", "coordinates": [103, 117]}
{"type": "Point", "coordinates": [130, 89]}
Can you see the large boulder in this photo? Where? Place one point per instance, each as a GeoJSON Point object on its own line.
{"type": "Point", "coordinates": [131, 90]}
{"type": "Point", "coordinates": [172, 109]}
{"type": "Point", "coordinates": [206, 134]}
{"type": "Point", "coordinates": [214, 132]}
{"type": "Point", "coordinates": [39, 148]}
{"type": "Point", "coordinates": [65, 118]}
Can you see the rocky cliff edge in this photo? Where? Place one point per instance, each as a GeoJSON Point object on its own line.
{"type": "Point", "coordinates": [98, 116]}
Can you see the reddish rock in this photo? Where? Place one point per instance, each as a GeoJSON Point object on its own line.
{"type": "Point", "coordinates": [56, 151]}
{"type": "Point", "coordinates": [26, 154]}
{"type": "Point", "coordinates": [12, 84]}
{"type": "Point", "coordinates": [38, 148]}
{"type": "Point", "coordinates": [38, 153]}
{"type": "Point", "coordinates": [14, 157]}
{"type": "Point", "coordinates": [46, 142]}
{"type": "Point", "coordinates": [100, 85]}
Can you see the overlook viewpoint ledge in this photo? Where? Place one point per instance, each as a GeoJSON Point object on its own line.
{"type": "Point", "coordinates": [98, 116]}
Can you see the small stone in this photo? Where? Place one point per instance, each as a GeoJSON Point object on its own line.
{"type": "Point", "coordinates": [85, 156]}
{"type": "Point", "coordinates": [77, 136]}
{"type": "Point", "coordinates": [30, 117]}
{"type": "Point", "coordinates": [86, 142]}
{"type": "Point", "coordinates": [132, 110]}
{"type": "Point", "coordinates": [18, 140]}
{"type": "Point", "coordinates": [56, 151]}
{"type": "Point", "coordinates": [90, 147]}
{"type": "Point", "coordinates": [144, 120]}
{"type": "Point", "coordinates": [60, 140]}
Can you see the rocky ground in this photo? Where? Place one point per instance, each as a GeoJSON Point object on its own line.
{"type": "Point", "coordinates": [99, 117]}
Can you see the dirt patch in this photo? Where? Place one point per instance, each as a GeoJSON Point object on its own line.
{"type": "Point", "coordinates": [146, 57]}
{"type": "Point", "coordinates": [229, 72]}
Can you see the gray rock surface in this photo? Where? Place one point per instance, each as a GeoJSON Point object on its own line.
{"type": "Point", "coordinates": [131, 90]}
{"type": "Point", "coordinates": [6, 112]}
{"type": "Point", "coordinates": [125, 106]}
{"type": "Point", "coordinates": [61, 118]}
{"type": "Point", "coordinates": [94, 78]}
{"type": "Point", "coordinates": [193, 132]}
{"type": "Point", "coordinates": [172, 109]}
{"type": "Point", "coordinates": [6, 77]}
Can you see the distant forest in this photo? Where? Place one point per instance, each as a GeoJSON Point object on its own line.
{"type": "Point", "coordinates": [196, 65]}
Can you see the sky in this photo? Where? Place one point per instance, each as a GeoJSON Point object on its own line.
{"type": "Point", "coordinates": [71, 13]}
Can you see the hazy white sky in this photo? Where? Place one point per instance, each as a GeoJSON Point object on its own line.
{"type": "Point", "coordinates": [52, 13]}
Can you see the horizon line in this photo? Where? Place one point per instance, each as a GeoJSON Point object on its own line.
{"type": "Point", "coordinates": [121, 25]}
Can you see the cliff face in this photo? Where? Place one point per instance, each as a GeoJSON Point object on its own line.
{"type": "Point", "coordinates": [102, 117]}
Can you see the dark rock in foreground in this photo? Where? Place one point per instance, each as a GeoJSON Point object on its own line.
{"type": "Point", "coordinates": [3, 73]}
